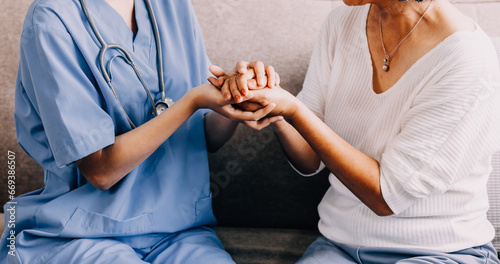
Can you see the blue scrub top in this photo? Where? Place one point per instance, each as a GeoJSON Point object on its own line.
{"type": "Point", "coordinates": [64, 111]}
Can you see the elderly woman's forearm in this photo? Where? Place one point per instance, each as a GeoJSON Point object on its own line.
{"type": "Point", "coordinates": [359, 172]}
{"type": "Point", "coordinates": [297, 150]}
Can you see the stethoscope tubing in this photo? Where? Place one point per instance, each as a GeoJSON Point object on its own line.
{"type": "Point", "coordinates": [108, 77]}
{"type": "Point", "coordinates": [128, 58]}
{"type": "Point", "coordinates": [159, 53]}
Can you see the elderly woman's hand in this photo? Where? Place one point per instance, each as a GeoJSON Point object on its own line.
{"type": "Point", "coordinates": [286, 103]}
{"type": "Point", "coordinates": [244, 77]}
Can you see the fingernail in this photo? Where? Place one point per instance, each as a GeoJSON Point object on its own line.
{"type": "Point", "coordinates": [227, 96]}
{"type": "Point", "coordinates": [243, 92]}
{"type": "Point", "coordinates": [237, 98]}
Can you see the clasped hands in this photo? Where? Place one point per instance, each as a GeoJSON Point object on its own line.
{"type": "Point", "coordinates": [253, 89]}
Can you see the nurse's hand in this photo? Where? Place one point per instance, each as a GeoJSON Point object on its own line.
{"type": "Point", "coordinates": [208, 96]}
{"type": "Point", "coordinates": [244, 77]}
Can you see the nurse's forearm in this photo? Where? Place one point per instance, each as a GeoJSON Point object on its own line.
{"type": "Point", "coordinates": [218, 130]}
{"type": "Point", "coordinates": [106, 167]}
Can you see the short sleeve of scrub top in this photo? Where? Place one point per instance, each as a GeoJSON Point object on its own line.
{"type": "Point", "coordinates": [60, 85]}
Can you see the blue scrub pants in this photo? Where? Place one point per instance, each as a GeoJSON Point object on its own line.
{"type": "Point", "coordinates": [197, 245]}
{"type": "Point", "coordinates": [326, 251]}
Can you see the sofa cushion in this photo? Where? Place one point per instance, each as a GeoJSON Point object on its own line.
{"type": "Point", "coordinates": [264, 245]}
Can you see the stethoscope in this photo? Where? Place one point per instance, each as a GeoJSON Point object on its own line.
{"type": "Point", "coordinates": [162, 104]}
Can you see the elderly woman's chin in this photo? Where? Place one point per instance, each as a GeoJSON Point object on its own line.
{"type": "Point", "coordinates": [356, 2]}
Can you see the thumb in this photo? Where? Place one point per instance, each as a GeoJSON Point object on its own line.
{"type": "Point", "coordinates": [213, 81]}
{"type": "Point", "coordinates": [216, 70]}
{"type": "Point", "coordinates": [274, 119]}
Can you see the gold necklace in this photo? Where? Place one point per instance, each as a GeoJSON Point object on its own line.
{"type": "Point", "coordinates": [387, 58]}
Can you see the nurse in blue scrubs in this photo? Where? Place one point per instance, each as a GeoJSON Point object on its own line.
{"type": "Point", "coordinates": [114, 193]}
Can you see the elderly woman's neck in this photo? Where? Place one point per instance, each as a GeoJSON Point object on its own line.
{"type": "Point", "coordinates": [402, 16]}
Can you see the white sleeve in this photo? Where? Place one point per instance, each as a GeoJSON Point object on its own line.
{"type": "Point", "coordinates": [316, 80]}
{"type": "Point", "coordinates": [321, 167]}
{"type": "Point", "coordinates": [450, 127]}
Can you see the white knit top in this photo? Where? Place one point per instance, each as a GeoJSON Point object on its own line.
{"type": "Point", "coordinates": [433, 134]}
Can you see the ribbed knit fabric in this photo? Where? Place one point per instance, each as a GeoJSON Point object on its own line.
{"type": "Point", "coordinates": [433, 134]}
{"type": "Point", "coordinates": [494, 181]}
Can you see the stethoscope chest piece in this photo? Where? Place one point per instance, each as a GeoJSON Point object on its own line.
{"type": "Point", "coordinates": [162, 105]}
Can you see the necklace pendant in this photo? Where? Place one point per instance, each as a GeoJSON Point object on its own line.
{"type": "Point", "coordinates": [388, 56]}
{"type": "Point", "coordinates": [386, 66]}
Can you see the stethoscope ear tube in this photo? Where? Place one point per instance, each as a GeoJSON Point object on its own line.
{"type": "Point", "coordinates": [159, 53]}
{"type": "Point", "coordinates": [91, 23]}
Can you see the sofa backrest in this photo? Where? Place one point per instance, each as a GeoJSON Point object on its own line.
{"type": "Point", "coordinates": [252, 182]}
